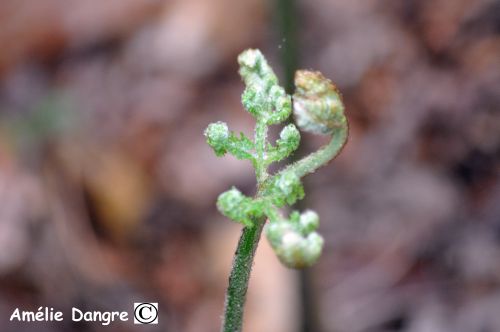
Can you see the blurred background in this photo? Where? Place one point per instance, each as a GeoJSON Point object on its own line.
{"type": "Point", "coordinates": [108, 189]}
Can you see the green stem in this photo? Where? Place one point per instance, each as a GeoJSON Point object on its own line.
{"type": "Point", "coordinates": [321, 157]}
{"type": "Point", "coordinates": [247, 245]}
{"type": "Point", "coordinates": [260, 149]}
{"type": "Point", "coordinates": [239, 277]}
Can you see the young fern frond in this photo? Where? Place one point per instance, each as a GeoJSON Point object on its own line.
{"type": "Point", "coordinates": [318, 108]}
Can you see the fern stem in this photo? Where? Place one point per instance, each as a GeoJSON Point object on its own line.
{"type": "Point", "coordinates": [321, 157]}
{"type": "Point", "coordinates": [318, 109]}
{"type": "Point", "coordinates": [247, 245]}
{"type": "Point", "coordinates": [240, 276]}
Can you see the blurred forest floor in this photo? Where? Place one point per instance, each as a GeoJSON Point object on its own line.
{"type": "Point", "coordinates": [107, 187]}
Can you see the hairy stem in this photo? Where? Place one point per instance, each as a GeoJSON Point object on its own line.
{"type": "Point", "coordinates": [247, 245]}
{"type": "Point", "coordinates": [321, 157]}
{"type": "Point", "coordinates": [318, 108]}
{"type": "Point", "coordinates": [239, 277]}
{"type": "Point", "coordinates": [260, 149]}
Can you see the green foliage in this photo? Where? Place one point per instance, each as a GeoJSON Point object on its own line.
{"type": "Point", "coordinates": [223, 141]}
{"type": "Point", "coordinates": [294, 240]}
{"type": "Point", "coordinates": [284, 188]}
{"type": "Point", "coordinates": [287, 143]}
{"type": "Point", "coordinates": [238, 207]}
{"type": "Point", "coordinates": [217, 137]}
{"type": "Point", "coordinates": [263, 97]}
{"type": "Point", "coordinates": [318, 108]}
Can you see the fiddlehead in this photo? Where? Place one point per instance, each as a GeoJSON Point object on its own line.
{"type": "Point", "coordinates": [295, 240]}
{"type": "Point", "coordinates": [318, 108]}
